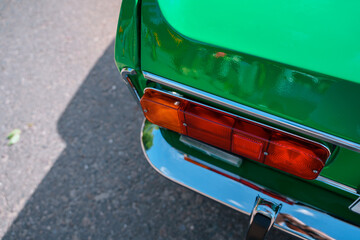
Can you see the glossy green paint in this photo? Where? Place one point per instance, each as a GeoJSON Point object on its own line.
{"type": "Point", "coordinates": [319, 101]}
{"type": "Point", "coordinates": [126, 42]}
{"type": "Point", "coordinates": [344, 168]}
{"type": "Point", "coordinates": [316, 100]}
{"type": "Point", "coordinates": [321, 35]}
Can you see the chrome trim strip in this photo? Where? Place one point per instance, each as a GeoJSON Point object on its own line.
{"type": "Point", "coordinates": [337, 185]}
{"type": "Point", "coordinates": [254, 112]}
{"type": "Point", "coordinates": [295, 218]}
{"type": "Point", "coordinates": [212, 151]}
{"type": "Point", "coordinates": [355, 206]}
{"type": "Point", "coordinates": [125, 72]}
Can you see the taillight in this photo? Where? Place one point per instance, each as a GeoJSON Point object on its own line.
{"type": "Point", "coordinates": [275, 148]}
{"type": "Point", "coordinates": [163, 110]}
{"type": "Point", "coordinates": [208, 125]}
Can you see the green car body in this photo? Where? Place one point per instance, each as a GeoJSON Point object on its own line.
{"type": "Point", "coordinates": [296, 61]}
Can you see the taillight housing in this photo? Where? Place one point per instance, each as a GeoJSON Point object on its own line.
{"type": "Point", "coordinates": [272, 147]}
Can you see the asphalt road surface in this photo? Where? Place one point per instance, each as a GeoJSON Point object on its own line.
{"type": "Point", "coordinates": [78, 171]}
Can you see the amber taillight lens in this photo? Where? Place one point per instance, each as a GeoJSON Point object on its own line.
{"type": "Point", "coordinates": [272, 147]}
{"type": "Point", "coordinates": [163, 110]}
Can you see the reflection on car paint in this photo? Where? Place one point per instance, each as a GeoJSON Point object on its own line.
{"type": "Point", "coordinates": [294, 217]}
{"type": "Point", "coordinates": [302, 96]}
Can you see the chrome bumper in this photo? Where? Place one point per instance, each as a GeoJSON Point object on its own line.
{"type": "Point", "coordinates": [297, 219]}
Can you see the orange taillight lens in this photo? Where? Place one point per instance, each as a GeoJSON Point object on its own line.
{"type": "Point", "coordinates": [163, 110]}
{"type": "Point", "coordinates": [243, 137]}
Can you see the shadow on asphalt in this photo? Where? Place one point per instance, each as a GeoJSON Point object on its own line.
{"type": "Point", "coordinates": [101, 186]}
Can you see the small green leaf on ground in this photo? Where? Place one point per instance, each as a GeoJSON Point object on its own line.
{"type": "Point", "coordinates": [14, 136]}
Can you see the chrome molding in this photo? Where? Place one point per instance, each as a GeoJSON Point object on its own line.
{"type": "Point", "coordinates": [212, 151]}
{"type": "Point", "coordinates": [337, 185]}
{"type": "Point", "coordinates": [125, 72]}
{"type": "Point", "coordinates": [294, 218]}
{"type": "Point", "coordinates": [254, 112]}
{"type": "Point", "coordinates": [355, 206]}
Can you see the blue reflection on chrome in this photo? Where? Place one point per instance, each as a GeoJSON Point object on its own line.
{"type": "Point", "coordinates": [294, 218]}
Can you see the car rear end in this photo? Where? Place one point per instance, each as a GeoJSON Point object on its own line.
{"type": "Point", "coordinates": [253, 105]}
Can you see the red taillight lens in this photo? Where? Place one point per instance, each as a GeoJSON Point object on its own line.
{"type": "Point", "coordinates": [298, 157]}
{"type": "Point", "coordinates": [249, 140]}
{"type": "Point", "coordinates": [208, 125]}
{"type": "Point", "coordinates": [272, 147]}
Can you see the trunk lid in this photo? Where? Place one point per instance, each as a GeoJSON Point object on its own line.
{"type": "Point", "coordinates": [280, 80]}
